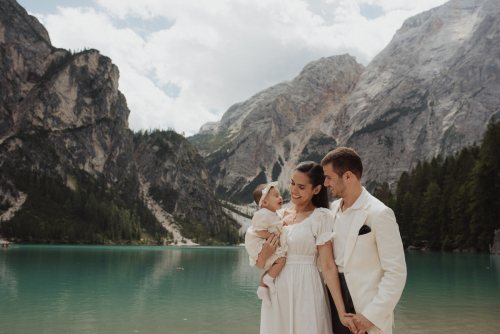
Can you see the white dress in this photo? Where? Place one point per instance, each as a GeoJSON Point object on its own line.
{"type": "Point", "coordinates": [265, 220]}
{"type": "Point", "coordinates": [300, 304]}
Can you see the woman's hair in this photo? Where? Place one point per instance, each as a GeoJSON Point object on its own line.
{"type": "Point", "coordinates": [315, 174]}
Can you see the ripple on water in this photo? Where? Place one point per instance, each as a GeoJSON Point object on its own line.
{"type": "Point", "coordinates": [98, 289]}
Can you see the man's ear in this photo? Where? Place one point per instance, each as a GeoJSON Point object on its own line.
{"type": "Point", "coordinates": [348, 176]}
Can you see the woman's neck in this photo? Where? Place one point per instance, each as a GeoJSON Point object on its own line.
{"type": "Point", "coordinates": [306, 207]}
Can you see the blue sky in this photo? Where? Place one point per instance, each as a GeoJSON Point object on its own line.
{"type": "Point", "coordinates": [183, 63]}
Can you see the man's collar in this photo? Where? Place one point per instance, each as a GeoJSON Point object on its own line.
{"type": "Point", "coordinates": [358, 203]}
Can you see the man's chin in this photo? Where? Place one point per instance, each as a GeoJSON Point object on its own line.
{"type": "Point", "coordinates": [335, 194]}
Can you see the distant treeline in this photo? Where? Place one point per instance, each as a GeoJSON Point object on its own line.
{"type": "Point", "coordinates": [451, 203]}
{"type": "Point", "coordinates": [90, 214]}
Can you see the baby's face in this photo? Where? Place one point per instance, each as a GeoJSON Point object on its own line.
{"type": "Point", "coordinates": [273, 200]}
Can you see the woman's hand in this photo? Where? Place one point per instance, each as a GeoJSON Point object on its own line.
{"type": "Point", "coordinates": [347, 321]}
{"type": "Point", "coordinates": [268, 249]}
{"type": "Point", "coordinates": [277, 236]}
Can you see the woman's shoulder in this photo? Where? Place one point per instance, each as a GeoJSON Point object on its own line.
{"type": "Point", "coordinates": [321, 214]}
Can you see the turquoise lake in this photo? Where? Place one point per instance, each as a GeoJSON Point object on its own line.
{"type": "Point", "coordinates": [115, 289]}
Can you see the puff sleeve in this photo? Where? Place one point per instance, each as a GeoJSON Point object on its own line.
{"type": "Point", "coordinates": [261, 220]}
{"type": "Point", "coordinates": [322, 226]}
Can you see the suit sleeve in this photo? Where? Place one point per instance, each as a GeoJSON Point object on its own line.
{"type": "Point", "coordinates": [393, 264]}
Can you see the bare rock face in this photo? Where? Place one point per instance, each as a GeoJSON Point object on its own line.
{"type": "Point", "coordinates": [60, 112]}
{"type": "Point", "coordinates": [432, 90]}
{"type": "Point", "coordinates": [209, 128]}
{"type": "Point", "coordinates": [167, 160]}
{"type": "Point", "coordinates": [26, 53]}
{"type": "Point", "coordinates": [277, 123]}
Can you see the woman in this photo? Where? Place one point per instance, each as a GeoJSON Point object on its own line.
{"type": "Point", "coordinates": [300, 304]}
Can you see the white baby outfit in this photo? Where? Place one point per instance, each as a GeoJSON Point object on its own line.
{"type": "Point", "coordinates": [265, 220]}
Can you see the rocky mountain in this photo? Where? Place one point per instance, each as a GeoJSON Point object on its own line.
{"type": "Point", "coordinates": [261, 138]}
{"type": "Point", "coordinates": [60, 111]}
{"type": "Point", "coordinates": [167, 161]}
{"type": "Point", "coordinates": [432, 90]}
{"type": "Point", "coordinates": [62, 115]}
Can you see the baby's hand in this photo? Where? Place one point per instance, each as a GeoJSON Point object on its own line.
{"type": "Point", "coordinates": [276, 235]}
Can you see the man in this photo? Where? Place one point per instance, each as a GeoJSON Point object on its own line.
{"type": "Point", "coordinates": [368, 249]}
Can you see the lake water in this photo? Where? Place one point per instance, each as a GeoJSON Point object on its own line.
{"type": "Point", "coordinates": [114, 289]}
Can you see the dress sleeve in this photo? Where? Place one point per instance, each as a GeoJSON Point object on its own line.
{"type": "Point", "coordinates": [260, 221]}
{"type": "Point", "coordinates": [322, 227]}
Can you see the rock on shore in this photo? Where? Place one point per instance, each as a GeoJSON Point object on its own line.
{"type": "Point", "coordinates": [495, 249]}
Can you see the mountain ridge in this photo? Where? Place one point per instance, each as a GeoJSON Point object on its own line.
{"type": "Point", "coordinates": [431, 90]}
{"type": "Point", "coordinates": [64, 125]}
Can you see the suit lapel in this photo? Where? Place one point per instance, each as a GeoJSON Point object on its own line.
{"type": "Point", "coordinates": [357, 221]}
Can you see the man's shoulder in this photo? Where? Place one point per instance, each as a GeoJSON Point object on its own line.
{"type": "Point", "coordinates": [377, 209]}
{"type": "Point", "coordinates": [335, 204]}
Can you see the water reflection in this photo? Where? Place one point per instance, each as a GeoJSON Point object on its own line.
{"type": "Point", "coordinates": [46, 289]}
{"type": "Point", "coordinates": [8, 280]}
{"type": "Point", "coordinates": [495, 265]}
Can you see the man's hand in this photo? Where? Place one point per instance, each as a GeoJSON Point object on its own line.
{"type": "Point", "coordinates": [349, 323]}
{"type": "Point", "coordinates": [362, 324]}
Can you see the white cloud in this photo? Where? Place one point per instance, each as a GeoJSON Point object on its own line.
{"type": "Point", "coordinates": [220, 52]}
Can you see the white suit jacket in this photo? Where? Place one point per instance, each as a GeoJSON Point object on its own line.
{"type": "Point", "coordinates": [374, 263]}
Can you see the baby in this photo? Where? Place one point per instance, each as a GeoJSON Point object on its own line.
{"type": "Point", "coordinates": [265, 222]}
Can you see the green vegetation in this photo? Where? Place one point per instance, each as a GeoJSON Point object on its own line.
{"type": "Point", "coordinates": [59, 63]}
{"type": "Point", "coordinates": [322, 140]}
{"type": "Point", "coordinates": [224, 233]}
{"type": "Point", "coordinates": [393, 115]}
{"type": "Point", "coordinates": [91, 214]}
{"type": "Point", "coordinates": [287, 145]}
{"type": "Point", "coordinates": [453, 202]}
{"type": "Point", "coordinates": [166, 196]}
{"type": "Point", "coordinates": [231, 207]}
{"type": "Point", "coordinates": [210, 143]}
{"type": "Point", "coordinates": [315, 141]}
{"type": "Point", "coordinates": [276, 171]}
{"type": "Point", "coordinates": [312, 156]}
{"type": "Point", "coordinates": [213, 161]}
{"type": "Point", "coordinates": [246, 195]}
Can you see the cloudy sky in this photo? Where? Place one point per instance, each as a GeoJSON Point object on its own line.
{"type": "Point", "coordinates": [184, 62]}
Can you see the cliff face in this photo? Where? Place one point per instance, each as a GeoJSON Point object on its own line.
{"type": "Point", "coordinates": [26, 53]}
{"type": "Point", "coordinates": [271, 129]}
{"type": "Point", "coordinates": [432, 90]}
{"type": "Point", "coordinates": [167, 160]}
{"type": "Point", "coordinates": [60, 112]}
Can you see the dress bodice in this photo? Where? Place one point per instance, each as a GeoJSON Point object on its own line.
{"type": "Point", "coordinates": [304, 237]}
{"type": "Point", "coordinates": [300, 304]}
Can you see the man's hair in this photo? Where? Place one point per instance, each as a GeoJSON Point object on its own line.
{"type": "Point", "coordinates": [257, 193]}
{"type": "Point", "coordinates": [344, 159]}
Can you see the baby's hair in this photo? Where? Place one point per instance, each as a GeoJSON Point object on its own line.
{"type": "Point", "coordinates": [257, 193]}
